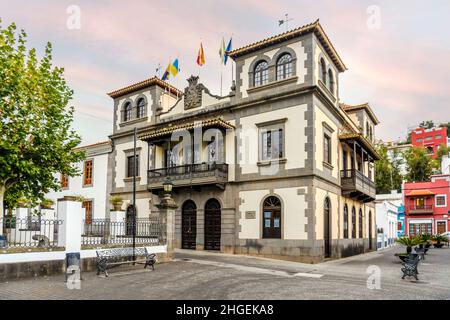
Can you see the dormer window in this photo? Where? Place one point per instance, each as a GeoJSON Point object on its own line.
{"type": "Point", "coordinates": [141, 108]}
{"type": "Point", "coordinates": [261, 73]}
{"type": "Point", "coordinates": [127, 112]}
{"type": "Point", "coordinates": [284, 67]}
{"type": "Point", "coordinates": [323, 71]}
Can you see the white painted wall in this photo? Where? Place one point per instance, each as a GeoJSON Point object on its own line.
{"type": "Point", "coordinates": [294, 219]}
{"type": "Point", "coordinates": [97, 193]}
{"type": "Point", "coordinates": [294, 138]}
{"type": "Point", "coordinates": [387, 219]}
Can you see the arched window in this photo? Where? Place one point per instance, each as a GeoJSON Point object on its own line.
{"type": "Point", "coordinates": [345, 222]}
{"type": "Point", "coordinates": [261, 76]}
{"type": "Point", "coordinates": [323, 71]}
{"type": "Point", "coordinates": [353, 222]}
{"type": "Point", "coordinates": [272, 218]}
{"type": "Point", "coordinates": [331, 81]}
{"type": "Point", "coordinates": [141, 108]}
{"type": "Point", "coordinates": [284, 67]}
{"type": "Point", "coordinates": [127, 112]}
{"type": "Point", "coordinates": [360, 224]}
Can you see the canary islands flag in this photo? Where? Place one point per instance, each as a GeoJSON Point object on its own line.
{"type": "Point", "coordinates": [172, 69]}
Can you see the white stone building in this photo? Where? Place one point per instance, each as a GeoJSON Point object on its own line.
{"type": "Point", "coordinates": [387, 206]}
{"type": "Point", "coordinates": [91, 184]}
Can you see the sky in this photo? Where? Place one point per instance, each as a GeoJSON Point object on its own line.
{"type": "Point", "coordinates": [397, 52]}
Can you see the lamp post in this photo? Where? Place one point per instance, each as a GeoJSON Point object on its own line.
{"type": "Point", "coordinates": [167, 198]}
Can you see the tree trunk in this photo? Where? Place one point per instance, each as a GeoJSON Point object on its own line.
{"type": "Point", "coordinates": [2, 194]}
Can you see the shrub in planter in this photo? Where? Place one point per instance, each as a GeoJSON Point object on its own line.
{"type": "Point", "coordinates": [117, 202]}
{"type": "Point", "coordinates": [47, 204]}
{"type": "Point", "coordinates": [409, 242]}
{"type": "Point", "coordinates": [440, 240]}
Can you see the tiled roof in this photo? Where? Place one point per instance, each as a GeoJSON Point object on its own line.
{"type": "Point", "coordinates": [169, 129]}
{"type": "Point", "coordinates": [361, 139]}
{"type": "Point", "coordinates": [144, 84]}
{"type": "Point", "coordinates": [312, 27]}
{"type": "Point", "coordinates": [93, 145]}
{"type": "Point", "coordinates": [366, 106]}
{"type": "Point", "coordinates": [420, 193]}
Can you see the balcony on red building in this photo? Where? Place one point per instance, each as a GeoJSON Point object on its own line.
{"type": "Point", "coordinates": [426, 206]}
{"type": "Point", "coordinates": [430, 139]}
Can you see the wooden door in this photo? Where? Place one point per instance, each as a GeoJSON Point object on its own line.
{"type": "Point", "coordinates": [189, 225]}
{"type": "Point", "coordinates": [213, 222]}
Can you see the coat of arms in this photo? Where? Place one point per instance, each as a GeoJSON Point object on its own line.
{"type": "Point", "coordinates": [193, 94]}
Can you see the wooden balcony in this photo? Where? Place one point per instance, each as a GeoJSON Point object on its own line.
{"type": "Point", "coordinates": [357, 186]}
{"type": "Point", "coordinates": [190, 175]}
{"type": "Point", "coordinates": [425, 209]}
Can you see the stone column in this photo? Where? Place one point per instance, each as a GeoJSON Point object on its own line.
{"type": "Point", "coordinates": [167, 209]}
{"type": "Point", "coordinates": [71, 214]}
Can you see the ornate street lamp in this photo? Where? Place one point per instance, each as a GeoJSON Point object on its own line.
{"type": "Point", "coordinates": [168, 185]}
{"type": "Point", "coordinates": [167, 200]}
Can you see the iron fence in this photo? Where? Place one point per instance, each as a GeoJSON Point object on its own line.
{"type": "Point", "coordinates": [31, 232]}
{"type": "Point", "coordinates": [107, 232]}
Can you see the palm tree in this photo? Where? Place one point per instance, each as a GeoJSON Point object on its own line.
{"type": "Point", "coordinates": [410, 242]}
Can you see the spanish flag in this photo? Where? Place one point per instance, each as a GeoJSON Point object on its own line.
{"type": "Point", "coordinates": [201, 56]}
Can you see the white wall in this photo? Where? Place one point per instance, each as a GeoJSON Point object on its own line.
{"type": "Point", "coordinates": [97, 193]}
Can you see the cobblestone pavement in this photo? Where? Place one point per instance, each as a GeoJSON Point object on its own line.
{"type": "Point", "coordinates": [203, 275]}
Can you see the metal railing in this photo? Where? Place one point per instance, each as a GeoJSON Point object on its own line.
{"type": "Point", "coordinates": [31, 232]}
{"type": "Point", "coordinates": [188, 169]}
{"type": "Point", "coordinates": [107, 232]}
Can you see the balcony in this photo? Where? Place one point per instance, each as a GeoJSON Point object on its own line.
{"type": "Point", "coordinates": [357, 186]}
{"type": "Point", "coordinates": [424, 209]}
{"type": "Point", "coordinates": [190, 175]}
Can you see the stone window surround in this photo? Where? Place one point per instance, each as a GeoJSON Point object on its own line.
{"type": "Point", "coordinates": [134, 118]}
{"type": "Point", "coordinates": [92, 201]}
{"type": "Point", "coordinates": [130, 153]}
{"type": "Point", "coordinates": [328, 131]}
{"type": "Point", "coordinates": [274, 125]}
{"type": "Point", "coordinates": [92, 178]}
{"type": "Point", "coordinates": [272, 68]}
{"type": "Point", "coordinates": [327, 71]}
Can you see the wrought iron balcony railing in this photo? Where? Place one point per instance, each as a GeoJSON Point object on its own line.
{"type": "Point", "coordinates": [190, 174]}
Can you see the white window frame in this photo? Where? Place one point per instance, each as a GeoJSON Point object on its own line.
{"type": "Point", "coordinates": [435, 201]}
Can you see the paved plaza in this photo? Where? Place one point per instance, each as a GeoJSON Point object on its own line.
{"type": "Point", "coordinates": [203, 275]}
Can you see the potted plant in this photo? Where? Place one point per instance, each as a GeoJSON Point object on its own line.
{"type": "Point", "coordinates": [409, 242]}
{"type": "Point", "coordinates": [426, 241]}
{"type": "Point", "coordinates": [440, 240]}
{"type": "Point", "coordinates": [116, 202]}
{"type": "Point", "coordinates": [47, 204]}
{"type": "Point", "coordinates": [22, 202]}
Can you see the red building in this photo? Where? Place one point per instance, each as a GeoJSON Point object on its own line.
{"type": "Point", "coordinates": [426, 206]}
{"type": "Point", "coordinates": [430, 139]}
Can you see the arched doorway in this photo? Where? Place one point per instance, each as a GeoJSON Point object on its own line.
{"type": "Point", "coordinates": [189, 225]}
{"type": "Point", "coordinates": [129, 220]}
{"type": "Point", "coordinates": [272, 218]}
{"type": "Point", "coordinates": [370, 230]}
{"type": "Point", "coordinates": [213, 223]}
{"type": "Point", "coordinates": [326, 228]}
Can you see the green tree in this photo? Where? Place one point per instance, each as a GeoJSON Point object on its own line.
{"type": "Point", "coordinates": [387, 171]}
{"type": "Point", "coordinates": [448, 128]}
{"type": "Point", "coordinates": [429, 124]}
{"type": "Point", "coordinates": [419, 164]}
{"type": "Point", "coordinates": [36, 140]}
{"type": "Point", "coordinates": [443, 150]}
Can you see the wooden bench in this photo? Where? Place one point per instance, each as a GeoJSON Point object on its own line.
{"type": "Point", "coordinates": [409, 267]}
{"type": "Point", "coordinates": [110, 258]}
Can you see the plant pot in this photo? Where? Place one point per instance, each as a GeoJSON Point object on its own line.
{"type": "Point", "coordinates": [439, 245]}
{"type": "Point", "coordinates": [117, 206]}
{"type": "Point", "coordinates": [408, 250]}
